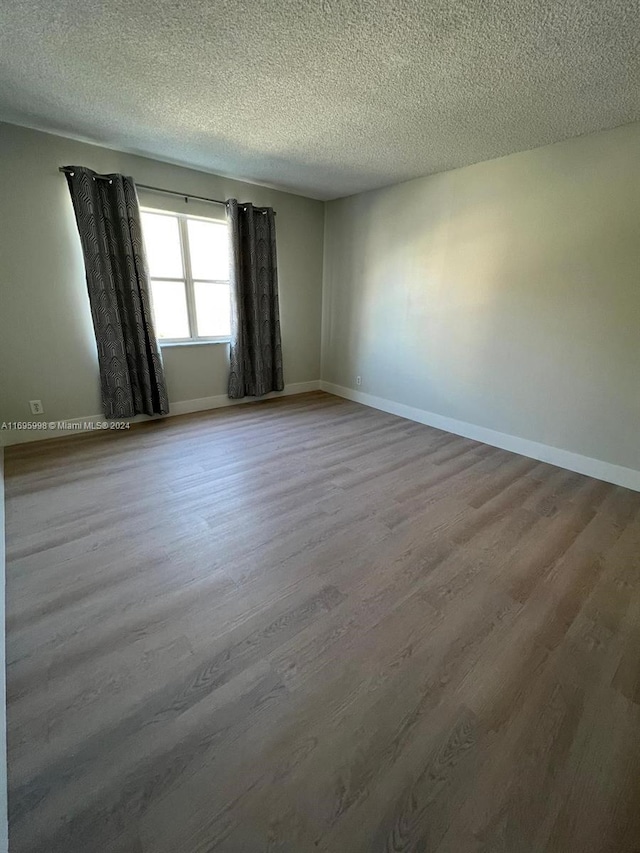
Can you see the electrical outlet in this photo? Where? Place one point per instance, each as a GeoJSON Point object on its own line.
{"type": "Point", "coordinates": [358, 380]}
{"type": "Point", "coordinates": [36, 407]}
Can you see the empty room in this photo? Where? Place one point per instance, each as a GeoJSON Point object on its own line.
{"type": "Point", "coordinates": [320, 426]}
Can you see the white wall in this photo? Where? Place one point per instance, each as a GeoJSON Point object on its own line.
{"type": "Point", "coordinates": [505, 295]}
{"type": "Point", "coordinates": [47, 347]}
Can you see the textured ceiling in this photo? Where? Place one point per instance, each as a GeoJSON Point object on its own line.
{"type": "Point", "coordinates": [326, 98]}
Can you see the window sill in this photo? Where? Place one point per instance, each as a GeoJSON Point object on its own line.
{"type": "Point", "coordinates": [166, 344]}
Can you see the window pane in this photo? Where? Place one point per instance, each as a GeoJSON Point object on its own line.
{"type": "Point", "coordinates": [208, 245]}
{"type": "Point", "coordinates": [213, 309]}
{"type": "Point", "coordinates": [162, 244]}
{"type": "Point", "coordinates": [170, 309]}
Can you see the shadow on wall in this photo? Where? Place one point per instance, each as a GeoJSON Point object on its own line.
{"type": "Point", "coordinates": [78, 305]}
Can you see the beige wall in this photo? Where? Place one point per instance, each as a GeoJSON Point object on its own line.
{"type": "Point", "coordinates": [47, 348]}
{"type": "Point", "coordinates": [505, 294]}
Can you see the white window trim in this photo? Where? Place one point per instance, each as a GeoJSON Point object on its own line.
{"type": "Point", "coordinates": [188, 282]}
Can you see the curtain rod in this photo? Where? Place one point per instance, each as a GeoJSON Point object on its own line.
{"type": "Point", "coordinates": [185, 196]}
{"type": "Point", "coordinates": [182, 195]}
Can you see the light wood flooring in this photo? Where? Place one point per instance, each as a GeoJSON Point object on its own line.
{"type": "Point", "coordinates": [305, 625]}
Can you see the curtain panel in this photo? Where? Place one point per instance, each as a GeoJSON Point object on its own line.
{"type": "Point", "coordinates": [256, 348]}
{"type": "Point", "coordinates": [108, 219]}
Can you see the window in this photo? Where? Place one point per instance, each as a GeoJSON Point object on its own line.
{"type": "Point", "coordinates": [189, 270]}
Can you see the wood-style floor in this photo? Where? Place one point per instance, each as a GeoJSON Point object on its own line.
{"type": "Point", "coordinates": [305, 625]}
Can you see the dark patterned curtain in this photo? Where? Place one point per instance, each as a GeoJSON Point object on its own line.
{"type": "Point", "coordinates": [256, 350]}
{"type": "Point", "coordinates": [108, 218]}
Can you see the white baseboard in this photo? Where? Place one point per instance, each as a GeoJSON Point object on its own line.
{"type": "Point", "coordinates": [617, 474]}
{"type": "Point", "coordinates": [182, 407]}
{"type": "Point", "coordinates": [204, 403]}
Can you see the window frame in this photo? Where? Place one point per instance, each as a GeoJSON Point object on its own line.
{"type": "Point", "coordinates": [187, 280]}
